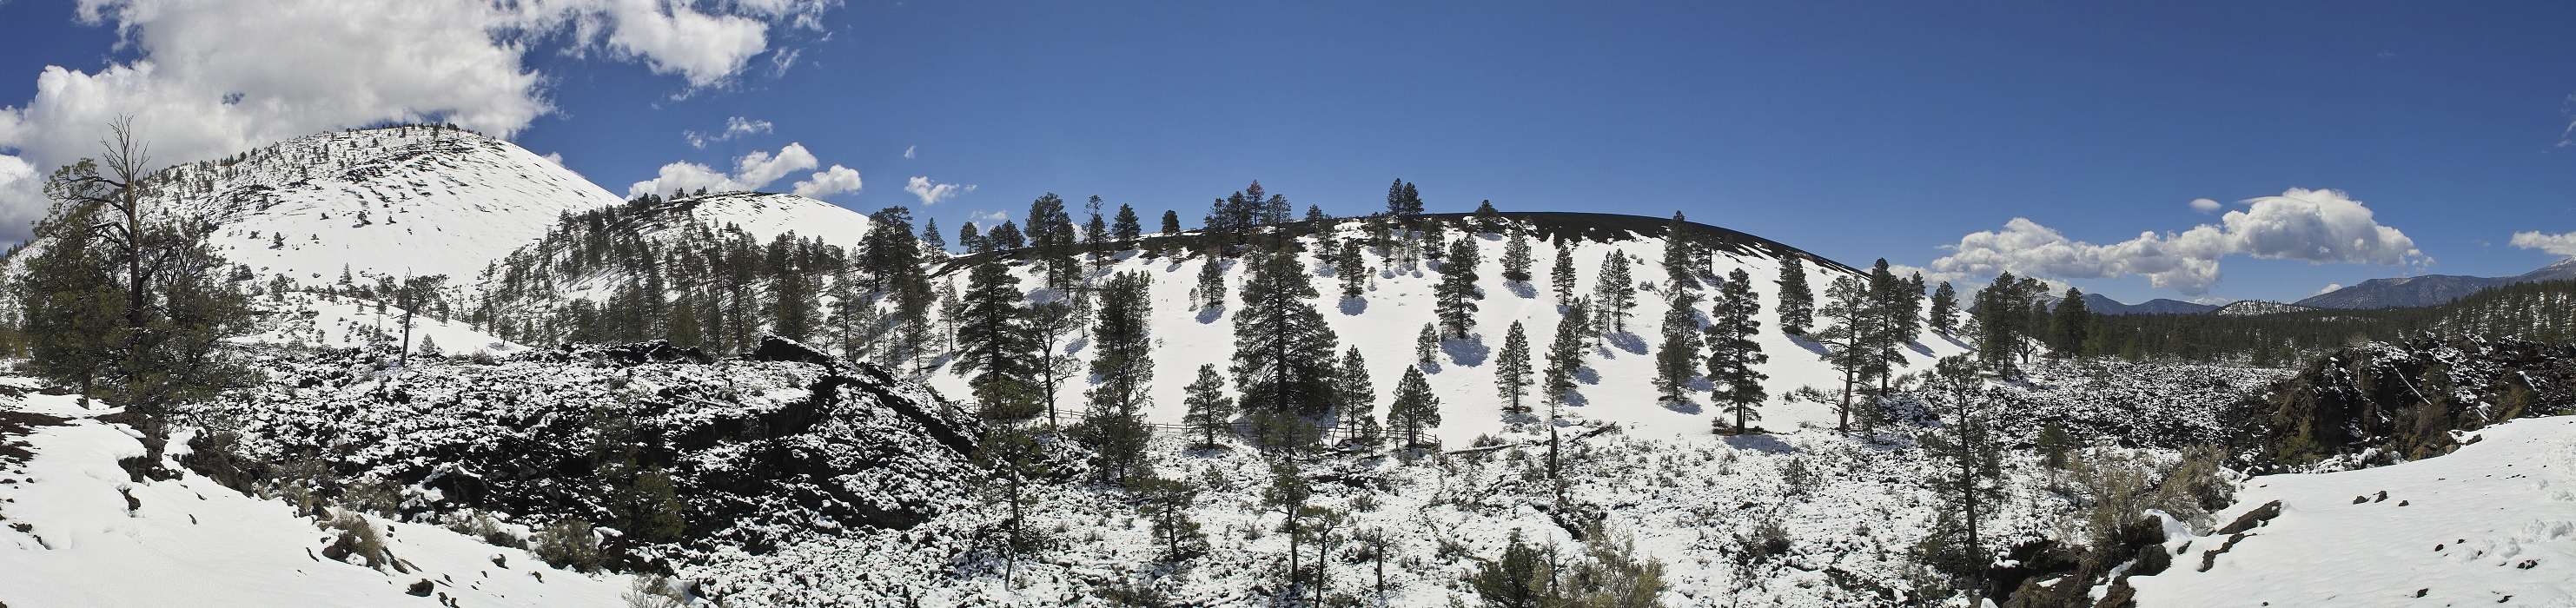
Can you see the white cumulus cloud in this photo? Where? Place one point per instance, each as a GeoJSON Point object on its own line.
{"type": "Point", "coordinates": [932, 192]}
{"type": "Point", "coordinates": [2562, 244]}
{"type": "Point", "coordinates": [2204, 205]}
{"type": "Point", "coordinates": [751, 172]}
{"type": "Point", "coordinates": [836, 180]}
{"type": "Point", "coordinates": [2318, 226]}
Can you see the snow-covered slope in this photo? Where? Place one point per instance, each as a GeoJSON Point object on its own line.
{"type": "Point", "coordinates": [378, 202]}
{"type": "Point", "coordinates": [2494, 523]}
{"type": "Point", "coordinates": [79, 531]}
{"type": "Point", "coordinates": [1384, 322]}
{"type": "Point", "coordinates": [321, 319]}
{"type": "Point", "coordinates": [763, 215]}
{"type": "Point", "coordinates": [672, 226]}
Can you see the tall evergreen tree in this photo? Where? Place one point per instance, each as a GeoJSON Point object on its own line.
{"type": "Point", "coordinates": [1171, 223]}
{"type": "Point", "coordinates": [930, 236]}
{"type": "Point", "coordinates": [1123, 366]}
{"type": "Point", "coordinates": [1357, 392]}
{"type": "Point", "coordinates": [1414, 409]}
{"type": "Point", "coordinates": [1561, 275]}
{"type": "Point", "coordinates": [1209, 410]}
{"type": "Point", "coordinates": [1455, 296]}
{"type": "Point", "coordinates": [1512, 369]}
{"type": "Point", "coordinates": [1680, 263]}
{"type": "Point", "coordinates": [1127, 227]}
{"type": "Point", "coordinates": [1732, 351]}
{"type": "Point", "coordinates": [1797, 303]}
{"type": "Point", "coordinates": [1516, 254]}
{"type": "Point", "coordinates": [1488, 219]}
{"type": "Point", "coordinates": [1614, 294]}
{"type": "Point", "coordinates": [1352, 268]}
{"type": "Point", "coordinates": [1847, 309]}
{"type": "Point", "coordinates": [1402, 200]}
{"type": "Point", "coordinates": [1565, 353]}
{"type": "Point", "coordinates": [136, 309]}
{"type": "Point", "coordinates": [1283, 351]}
{"type": "Point", "coordinates": [2070, 325]}
{"type": "Point", "coordinates": [1945, 309]}
{"type": "Point", "coordinates": [1051, 240]}
{"type": "Point", "coordinates": [1677, 358]}
{"type": "Point", "coordinates": [1970, 476]}
{"type": "Point", "coordinates": [1210, 292]}
{"type": "Point", "coordinates": [996, 344]}
{"type": "Point", "coordinates": [1426, 344]}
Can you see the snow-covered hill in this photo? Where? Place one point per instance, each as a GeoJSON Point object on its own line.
{"type": "Point", "coordinates": [382, 202]}
{"type": "Point", "coordinates": [1385, 321]}
{"type": "Point", "coordinates": [537, 272]}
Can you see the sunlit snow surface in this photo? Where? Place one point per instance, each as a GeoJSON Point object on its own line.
{"type": "Point", "coordinates": [196, 543]}
{"type": "Point", "coordinates": [2494, 523]}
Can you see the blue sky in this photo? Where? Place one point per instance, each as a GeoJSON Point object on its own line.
{"type": "Point", "coordinates": [1856, 130]}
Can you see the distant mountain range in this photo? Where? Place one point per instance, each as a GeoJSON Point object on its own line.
{"type": "Point", "coordinates": [2104, 305]}
{"type": "Point", "coordinates": [2429, 290]}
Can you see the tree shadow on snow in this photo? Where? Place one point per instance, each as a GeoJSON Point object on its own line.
{"type": "Point", "coordinates": [1918, 348]}
{"type": "Point", "coordinates": [1075, 346]}
{"type": "Point", "coordinates": [1627, 341]}
{"type": "Point", "coordinates": [1431, 367]}
{"type": "Point", "coordinates": [1469, 351]}
{"type": "Point", "coordinates": [1523, 289]}
{"type": "Point", "coordinates": [1812, 346]}
{"type": "Point", "coordinates": [1762, 443]}
{"type": "Point", "coordinates": [1210, 314]}
{"type": "Point", "coordinates": [1587, 375]}
{"type": "Point", "coordinates": [1353, 306]}
{"type": "Point", "coordinates": [1684, 407]}
{"type": "Point", "coordinates": [1576, 399]}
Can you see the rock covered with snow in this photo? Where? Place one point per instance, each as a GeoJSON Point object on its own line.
{"type": "Point", "coordinates": [758, 449]}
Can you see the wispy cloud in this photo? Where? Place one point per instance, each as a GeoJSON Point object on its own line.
{"type": "Point", "coordinates": [907, 152]}
{"type": "Point", "coordinates": [932, 192]}
{"type": "Point", "coordinates": [734, 127]}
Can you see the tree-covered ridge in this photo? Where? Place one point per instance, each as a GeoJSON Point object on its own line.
{"type": "Point", "coordinates": [2535, 311]}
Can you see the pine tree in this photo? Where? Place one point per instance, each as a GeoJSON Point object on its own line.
{"type": "Point", "coordinates": [136, 310]}
{"type": "Point", "coordinates": [1945, 309]}
{"type": "Point", "coordinates": [1561, 275]}
{"type": "Point", "coordinates": [995, 341]}
{"type": "Point", "coordinates": [1565, 353]}
{"type": "Point", "coordinates": [1210, 292]}
{"type": "Point", "coordinates": [1680, 265]}
{"type": "Point", "coordinates": [1732, 351]}
{"type": "Point", "coordinates": [1171, 223]}
{"type": "Point", "coordinates": [1455, 296]}
{"type": "Point", "coordinates": [1402, 200]}
{"type": "Point", "coordinates": [1797, 303]}
{"type": "Point", "coordinates": [1357, 392]}
{"type": "Point", "coordinates": [1512, 370]}
{"type": "Point", "coordinates": [1488, 219]}
{"type": "Point", "coordinates": [1614, 294]}
{"type": "Point", "coordinates": [1516, 254]}
{"type": "Point", "coordinates": [930, 236]}
{"type": "Point", "coordinates": [1051, 240]}
{"type": "Point", "coordinates": [1414, 408]}
{"type": "Point", "coordinates": [1127, 227]}
{"type": "Point", "coordinates": [1049, 324]}
{"type": "Point", "coordinates": [1352, 269]}
{"type": "Point", "coordinates": [1847, 309]}
{"type": "Point", "coordinates": [1283, 351]}
{"type": "Point", "coordinates": [1123, 368]}
{"type": "Point", "coordinates": [1970, 477]}
{"type": "Point", "coordinates": [1209, 410]}
{"type": "Point", "coordinates": [2070, 325]}
{"type": "Point", "coordinates": [1677, 359]}
{"type": "Point", "coordinates": [1426, 344]}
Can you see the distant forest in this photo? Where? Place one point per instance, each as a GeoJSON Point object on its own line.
{"type": "Point", "coordinates": [2543, 311]}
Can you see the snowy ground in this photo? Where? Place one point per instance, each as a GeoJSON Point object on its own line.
{"type": "Point", "coordinates": [2494, 523]}
{"type": "Point", "coordinates": [324, 320]}
{"type": "Point", "coordinates": [76, 530]}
